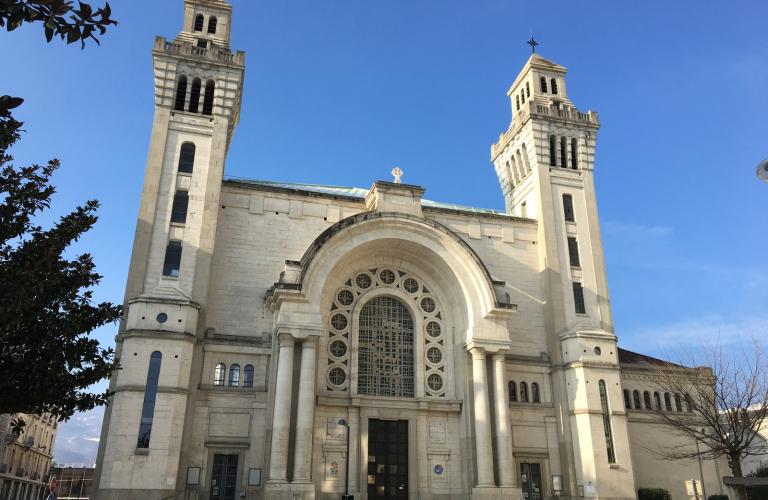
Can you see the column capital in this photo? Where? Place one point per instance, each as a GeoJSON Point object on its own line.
{"type": "Point", "coordinates": [477, 354]}
{"type": "Point", "coordinates": [286, 340]}
{"type": "Point", "coordinates": [488, 346]}
{"type": "Point", "coordinates": [499, 356]}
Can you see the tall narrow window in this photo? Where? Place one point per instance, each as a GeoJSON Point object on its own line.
{"type": "Point", "coordinates": [512, 392]}
{"type": "Point", "coordinates": [563, 152]}
{"type": "Point", "coordinates": [208, 99]}
{"type": "Point", "coordinates": [517, 102]}
{"type": "Point", "coordinates": [552, 151]}
{"type": "Point", "coordinates": [647, 400]}
{"type": "Point", "coordinates": [172, 259]}
{"type": "Point", "coordinates": [523, 392]}
{"type": "Point", "coordinates": [219, 373]}
{"type": "Point", "coordinates": [187, 158]}
{"type": "Point", "coordinates": [181, 93]}
{"type": "Point", "coordinates": [657, 400]}
{"type": "Point", "coordinates": [199, 22]}
{"type": "Point", "coordinates": [194, 96]}
{"type": "Point", "coordinates": [386, 350]}
{"type": "Point", "coordinates": [234, 375]}
{"type": "Point", "coordinates": [527, 90]}
{"type": "Point", "coordinates": [522, 96]}
{"type": "Point", "coordinates": [636, 400]}
{"type": "Point", "coordinates": [574, 154]}
{"type": "Point", "coordinates": [627, 402]}
{"type": "Point", "coordinates": [607, 422]}
{"type": "Point", "coordinates": [554, 86]}
{"type": "Point", "coordinates": [543, 85]}
{"type": "Point", "coordinates": [573, 252]}
{"type": "Point", "coordinates": [667, 401]}
{"type": "Point", "coordinates": [248, 376]}
{"type": "Point", "coordinates": [678, 403]}
{"type": "Point", "coordinates": [568, 208]}
{"type": "Point", "coordinates": [688, 403]}
{"type": "Point", "coordinates": [180, 204]}
{"type": "Point", "coordinates": [535, 393]}
{"type": "Point", "coordinates": [212, 26]}
{"type": "Point", "coordinates": [150, 396]}
{"type": "Point", "coordinates": [578, 298]}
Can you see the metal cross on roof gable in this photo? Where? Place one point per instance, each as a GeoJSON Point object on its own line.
{"type": "Point", "coordinates": [532, 43]}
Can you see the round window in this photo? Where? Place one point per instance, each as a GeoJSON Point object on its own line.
{"type": "Point", "coordinates": [434, 355]}
{"type": "Point", "coordinates": [345, 297]}
{"type": "Point", "coordinates": [162, 318]}
{"type": "Point", "coordinates": [598, 351]}
{"type": "Point", "coordinates": [363, 281]}
{"type": "Point", "coordinates": [337, 376]}
{"type": "Point", "coordinates": [339, 322]}
{"type": "Point", "coordinates": [411, 285]}
{"type": "Point", "coordinates": [433, 329]}
{"type": "Point", "coordinates": [435, 382]}
{"type": "Point", "coordinates": [387, 276]}
{"type": "Point", "coordinates": [428, 305]}
{"type": "Point", "coordinates": [338, 348]}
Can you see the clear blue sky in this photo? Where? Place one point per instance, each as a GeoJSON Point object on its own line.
{"type": "Point", "coordinates": [340, 92]}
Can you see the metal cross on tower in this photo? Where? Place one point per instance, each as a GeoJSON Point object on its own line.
{"type": "Point", "coordinates": [532, 43]}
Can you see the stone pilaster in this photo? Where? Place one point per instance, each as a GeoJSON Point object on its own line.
{"type": "Point", "coordinates": [501, 414]}
{"type": "Point", "coordinates": [281, 423]}
{"type": "Point", "coordinates": [302, 458]}
{"type": "Point", "coordinates": [483, 444]}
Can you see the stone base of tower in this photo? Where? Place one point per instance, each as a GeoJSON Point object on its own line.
{"type": "Point", "coordinates": [289, 491]}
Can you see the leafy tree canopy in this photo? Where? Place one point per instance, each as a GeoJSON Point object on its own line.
{"type": "Point", "coordinates": [47, 359]}
{"type": "Point", "coordinates": [59, 17]}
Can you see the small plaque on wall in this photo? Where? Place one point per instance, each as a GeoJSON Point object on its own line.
{"type": "Point", "coordinates": [193, 475]}
{"type": "Point", "coordinates": [254, 477]}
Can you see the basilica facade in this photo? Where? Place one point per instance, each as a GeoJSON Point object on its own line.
{"type": "Point", "coordinates": [293, 341]}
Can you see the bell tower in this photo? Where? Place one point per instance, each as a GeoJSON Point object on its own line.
{"type": "Point", "coordinates": [198, 83]}
{"type": "Point", "coordinates": [545, 164]}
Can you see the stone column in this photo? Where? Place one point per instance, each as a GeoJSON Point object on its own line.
{"type": "Point", "coordinates": [354, 449]}
{"type": "Point", "coordinates": [305, 414]}
{"type": "Point", "coordinates": [483, 445]}
{"type": "Point", "coordinates": [501, 414]}
{"type": "Point", "coordinates": [281, 420]}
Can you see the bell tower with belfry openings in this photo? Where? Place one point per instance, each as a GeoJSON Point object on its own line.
{"type": "Point", "coordinates": [545, 163]}
{"type": "Point", "coordinates": [198, 84]}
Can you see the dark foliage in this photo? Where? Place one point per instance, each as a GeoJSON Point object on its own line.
{"type": "Point", "coordinates": [47, 359]}
{"type": "Point", "coordinates": [758, 492]}
{"type": "Point", "coordinates": [59, 17]}
{"type": "Point", "coordinates": [653, 494]}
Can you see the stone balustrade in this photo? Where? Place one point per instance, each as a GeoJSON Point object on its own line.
{"type": "Point", "coordinates": [213, 54]}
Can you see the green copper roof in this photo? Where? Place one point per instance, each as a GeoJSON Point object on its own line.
{"type": "Point", "coordinates": [358, 193]}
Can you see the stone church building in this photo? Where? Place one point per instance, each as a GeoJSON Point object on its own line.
{"type": "Point", "coordinates": [464, 353]}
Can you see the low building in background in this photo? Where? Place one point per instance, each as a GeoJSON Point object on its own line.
{"type": "Point", "coordinates": [73, 482]}
{"type": "Point", "coordinates": [25, 460]}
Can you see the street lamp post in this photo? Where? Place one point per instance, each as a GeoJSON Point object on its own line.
{"type": "Point", "coordinates": [701, 471]}
{"type": "Point", "coordinates": [346, 495]}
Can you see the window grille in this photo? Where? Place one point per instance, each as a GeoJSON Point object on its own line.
{"type": "Point", "coordinates": [574, 154]}
{"type": "Point", "coordinates": [387, 277]}
{"type": "Point", "coordinates": [552, 151]}
{"type": "Point", "coordinates": [433, 329]}
{"type": "Point", "coordinates": [535, 393]}
{"type": "Point", "coordinates": [180, 205]}
{"type": "Point", "coordinates": [523, 392]}
{"type": "Point", "coordinates": [234, 375]}
{"type": "Point", "coordinates": [527, 90]}
{"type": "Point", "coordinates": [210, 88]}
{"type": "Point", "coordinates": [627, 402]}
{"type": "Point", "coordinates": [554, 86]}
{"type": "Point", "coordinates": [194, 96]}
{"type": "Point", "coordinates": [363, 281]}
{"type": "Point", "coordinates": [568, 208]}
{"type": "Point", "coordinates": [385, 356]}
{"type": "Point", "coordinates": [578, 299]}
{"type": "Point", "coordinates": [337, 377]}
{"type": "Point", "coordinates": [434, 355]}
{"type": "Point", "coordinates": [212, 22]}
{"type": "Point", "coordinates": [517, 102]}
{"type": "Point", "coordinates": [338, 348]}
{"type": "Point", "coordinates": [218, 374]}
{"type": "Point", "coordinates": [573, 252]}
{"type": "Point", "coordinates": [150, 396]}
{"type": "Point", "coordinates": [199, 22]}
{"type": "Point", "coordinates": [543, 85]}
{"type": "Point", "coordinates": [667, 401]}
{"type": "Point", "coordinates": [172, 259]}
{"type": "Point", "coordinates": [678, 403]}
{"type": "Point", "coordinates": [181, 93]}
{"type": "Point", "coordinates": [657, 400]}
{"type": "Point", "coordinates": [345, 297]}
{"type": "Point", "coordinates": [411, 285]}
{"type": "Point", "coordinates": [187, 158]}
{"type": "Point", "coordinates": [607, 422]}
{"type": "Point", "coordinates": [647, 400]}
{"type": "Point", "coordinates": [636, 399]}
{"type": "Point", "coordinates": [512, 392]}
{"type": "Point", "coordinates": [688, 403]}
{"type": "Point", "coordinates": [339, 321]}
{"type": "Point", "coordinates": [428, 305]}
{"type": "Point", "coordinates": [248, 376]}
{"type": "Point", "coordinates": [435, 382]}
{"type": "Point", "coordinates": [522, 96]}
{"type": "Point", "coordinates": [563, 152]}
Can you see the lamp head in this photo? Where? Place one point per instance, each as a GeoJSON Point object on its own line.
{"type": "Point", "coordinates": [762, 170]}
{"type": "Point", "coordinates": [343, 422]}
